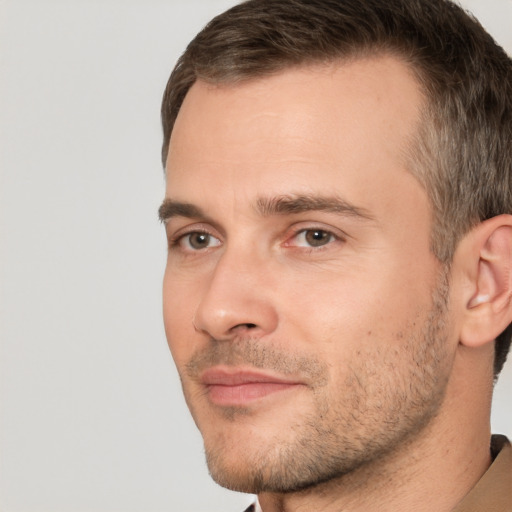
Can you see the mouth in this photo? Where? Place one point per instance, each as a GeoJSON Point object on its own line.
{"type": "Point", "coordinates": [232, 387]}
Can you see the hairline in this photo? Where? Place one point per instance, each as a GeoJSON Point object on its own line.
{"type": "Point", "coordinates": [456, 136]}
{"type": "Point", "coordinates": [414, 142]}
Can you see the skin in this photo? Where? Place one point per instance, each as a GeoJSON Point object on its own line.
{"type": "Point", "coordinates": [341, 300]}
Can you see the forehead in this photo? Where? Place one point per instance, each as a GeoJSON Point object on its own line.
{"type": "Point", "coordinates": [342, 125]}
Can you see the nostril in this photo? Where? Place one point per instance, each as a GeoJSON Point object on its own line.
{"type": "Point", "coordinates": [245, 326]}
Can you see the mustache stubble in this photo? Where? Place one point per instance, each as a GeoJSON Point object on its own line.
{"type": "Point", "coordinates": [255, 353]}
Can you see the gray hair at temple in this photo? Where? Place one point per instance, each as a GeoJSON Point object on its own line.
{"type": "Point", "coordinates": [462, 151]}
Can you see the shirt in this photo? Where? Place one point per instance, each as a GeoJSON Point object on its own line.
{"type": "Point", "coordinates": [492, 493]}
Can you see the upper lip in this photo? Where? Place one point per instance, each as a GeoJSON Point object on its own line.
{"type": "Point", "coordinates": [228, 376]}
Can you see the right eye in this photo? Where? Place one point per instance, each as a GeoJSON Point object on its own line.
{"type": "Point", "coordinates": [197, 241]}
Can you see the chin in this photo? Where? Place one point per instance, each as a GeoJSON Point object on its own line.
{"type": "Point", "coordinates": [306, 456]}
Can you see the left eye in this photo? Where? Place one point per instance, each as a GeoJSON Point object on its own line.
{"type": "Point", "coordinates": [313, 238]}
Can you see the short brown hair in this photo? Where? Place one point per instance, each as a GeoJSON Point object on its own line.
{"type": "Point", "coordinates": [462, 153]}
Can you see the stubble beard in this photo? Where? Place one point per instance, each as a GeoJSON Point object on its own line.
{"type": "Point", "coordinates": [386, 401]}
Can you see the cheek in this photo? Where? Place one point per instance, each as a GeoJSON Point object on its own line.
{"type": "Point", "coordinates": [345, 314]}
{"type": "Point", "coordinates": [178, 313]}
{"type": "Point", "coordinates": [344, 302]}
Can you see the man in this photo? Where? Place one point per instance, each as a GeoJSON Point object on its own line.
{"type": "Point", "coordinates": [339, 217]}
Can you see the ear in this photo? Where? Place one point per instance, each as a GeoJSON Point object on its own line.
{"type": "Point", "coordinates": [487, 259]}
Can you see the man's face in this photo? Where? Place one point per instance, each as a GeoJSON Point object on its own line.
{"type": "Point", "coordinates": [302, 304]}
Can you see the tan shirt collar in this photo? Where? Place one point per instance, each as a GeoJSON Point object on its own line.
{"type": "Point", "coordinates": [493, 492]}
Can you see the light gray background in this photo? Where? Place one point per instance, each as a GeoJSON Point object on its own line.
{"type": "Point", "coordinates": [92, 417]}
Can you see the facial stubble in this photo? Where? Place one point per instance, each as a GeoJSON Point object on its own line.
{"type": "Point", "coordinates": [387, 399]}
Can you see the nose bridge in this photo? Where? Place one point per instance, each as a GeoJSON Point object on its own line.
{"type": "Point", "coordinates": [236, 298]}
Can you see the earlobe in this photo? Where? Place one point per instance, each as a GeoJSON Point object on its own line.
{"type": "Point", "coordinates": [489, 256]}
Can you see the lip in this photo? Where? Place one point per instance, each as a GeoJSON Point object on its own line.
{"type": "Point", "coordinates": [231, 387]}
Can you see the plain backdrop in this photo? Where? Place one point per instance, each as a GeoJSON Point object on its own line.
{"type": "Point", "coordinates": [92, 418]}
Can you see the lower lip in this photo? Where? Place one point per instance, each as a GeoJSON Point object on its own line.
{"type": "Point", "coordinates": [244, 394]}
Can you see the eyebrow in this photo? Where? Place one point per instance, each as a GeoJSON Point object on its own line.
{"type": "Point", "coordinates": [295, 204]}
{"type": "Point", "coordinates": [171, 208]}
{"type": "Point", "coordinates": [271, 206]}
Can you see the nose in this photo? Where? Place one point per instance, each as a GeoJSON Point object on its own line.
{"type": "Point", "coordinates": [237, 301]}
